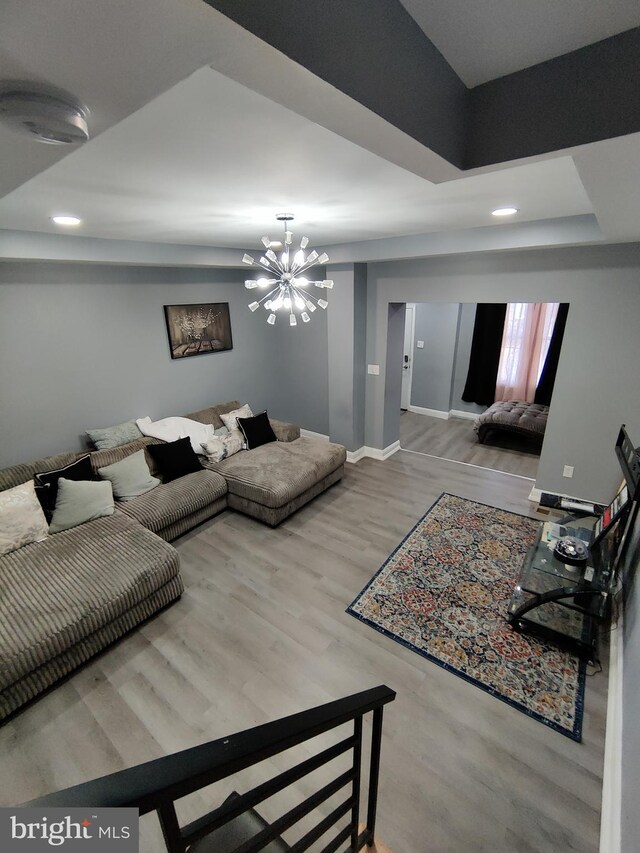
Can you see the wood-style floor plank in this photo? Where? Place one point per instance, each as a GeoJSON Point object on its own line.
{"type": "Point", "coordinates": [456, 439]}
{"type": "Point", "coordinates": [261, 632]}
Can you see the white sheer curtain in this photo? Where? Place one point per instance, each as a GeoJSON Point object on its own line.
{"type": "Point", "coordinates": [528, 327]}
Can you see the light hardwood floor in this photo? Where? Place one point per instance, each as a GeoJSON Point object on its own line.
{"type": "Point", "coordinates": [261, 632]}
{"type": "Point", "coordinates": [456, 439]}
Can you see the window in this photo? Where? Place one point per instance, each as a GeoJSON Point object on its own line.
{"type": "Point", "coordinates": [528, 328]}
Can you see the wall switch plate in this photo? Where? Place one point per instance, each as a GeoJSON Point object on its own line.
{"type": "Point", "coordinates": [420, 344]}
{"type": "Point", "coordinates": [373, 369]}
{"type": "Point", "coordinates": [567, 471]}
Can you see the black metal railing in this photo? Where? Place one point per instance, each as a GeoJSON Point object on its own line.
{"type": "Point", "coordinates": [156, 785]}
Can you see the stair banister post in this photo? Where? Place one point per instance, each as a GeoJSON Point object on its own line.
{"type": "Point", "coordinates": [374, 771]}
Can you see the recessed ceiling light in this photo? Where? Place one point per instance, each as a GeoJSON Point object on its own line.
{"type": "Point", "coordinates": [66, 220]}
{"type": "Point", "coordinates": [504, 211]}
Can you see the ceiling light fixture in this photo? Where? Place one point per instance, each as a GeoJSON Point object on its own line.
{"type": "Point", "coordinates": [43, 112]}
{"type": "Point", "coordinates": [289, 293]}
{"type": "Point", "coordinates": [66, 220]}
{"type": "Point", "coordinates": [504, 211]}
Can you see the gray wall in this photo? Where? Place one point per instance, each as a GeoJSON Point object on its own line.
{"type": "Point", "coordinates": [436, 325]}
{"type": "Point", "coordinates": [466, 322]}
{"type": "Point", "coordinates": [597, 380]}
{"type": "Point", "coordinates": [300, 371]}
{"type": "Point", "coordinates": [86, 346]}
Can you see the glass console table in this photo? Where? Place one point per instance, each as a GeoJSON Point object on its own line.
{"type": "Point", "coordinates": [561, 602]}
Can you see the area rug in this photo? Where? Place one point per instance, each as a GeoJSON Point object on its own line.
{"type": "Point", "coordinates": [444, 593]}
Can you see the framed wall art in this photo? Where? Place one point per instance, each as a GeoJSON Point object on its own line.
{"type": "Point", "coordinates": [197, 329]}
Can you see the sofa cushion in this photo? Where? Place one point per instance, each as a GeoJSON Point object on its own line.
{"type": "Point", "coordinates": [103, 458]}
{"type": "Point", "coordinates": [130, 477]}
{"type": "Point", "coordinates": [79, 501]}
{"type": "Point", "coordinates": [211, 415]}
{"type": "Point", "coordinates": [114, 436]}
{"type": "Point", "coordinates": [46, 482]}
{"type": "Point", "coordinates": [178, 499]}
{"type": "Point", "coordinates": [54, 594]}
{"type": "Point", "coordinates": [22, 519]}
{"type": "Point", "coordinates": [21, 473]}
{"type": "Point", "coordinates": [278, 472]}
{"type": "Point", "coordinates": [175, 459]}
{"type": "Point", "coordinates": [256, 430]}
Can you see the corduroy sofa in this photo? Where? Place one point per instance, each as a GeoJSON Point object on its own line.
{"type": "Point", "coordinates": [65, 599]}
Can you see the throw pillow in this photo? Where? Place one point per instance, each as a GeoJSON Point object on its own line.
{"type": "Point", "coordinates": [230, 419]}
{"type": "Point", "coordinates": [22, 520]}
{"type": "Point", "coordinates": [173, 428]}
{"type": "Point", "coordinates": [256, 430]}
{"type": "Point", "coordinates": [80, 501]}
{"type": "Point", "coordinates": [221, 431]}
{"type": "Point", "coordinates": [221, 447]}
{"type": "Point", "coordinates": [109, 437]}
{"type": "Point", "coordinates": [46, 483]}
{"type": "Point", "coordinates": [175, 459]}
{"type": "Point", "coordinates": [130, 477]}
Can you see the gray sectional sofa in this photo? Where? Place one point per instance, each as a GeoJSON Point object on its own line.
{"type": "Point", "coordinates": [65, 599]}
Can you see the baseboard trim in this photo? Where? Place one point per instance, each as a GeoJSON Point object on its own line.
{"type": "Point", "coordinates": [308, 433]}
{"type": "Point", "coordinates": [433, 413]}
{"type": "Point", "coordinates": [458, 413]}
{"type": "Point", "coordinates": [611, 809]}
{"type": "Point", "coordinates": [372, 453]}
{"type": "Point", "coordinates": [437, 413]}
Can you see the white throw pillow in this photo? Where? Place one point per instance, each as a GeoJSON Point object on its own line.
{"type": "Point", "coordinates": [221, 447]}
{"type": "Point", "coordinates": [22, 520]}
{"type": "Point", "coordinates": [230, 420]}
{"type": "Point", "coordinates": [171, 429]}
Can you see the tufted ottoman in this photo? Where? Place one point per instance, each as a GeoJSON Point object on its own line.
{"type": "Point", "coordinates": [515, 416]}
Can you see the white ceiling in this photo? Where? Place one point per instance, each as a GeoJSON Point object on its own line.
{"type": "Point", "coordinates": [184, 154]}
{"type": "Point", "coordinates": [211, 162]}
{"type": "Point", "coordinates": [485, 39]}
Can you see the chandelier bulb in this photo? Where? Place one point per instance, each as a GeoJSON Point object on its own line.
{"type": "Point", "coordinates": [250, 284]}
{"type": "Point", "coordinates": [271, 319]}
{"type": "Point", "coordinates": [328, 283]}
{"type": "Point", "coordinates": [321, 302]}
{"type": "Point", "coordinates": [254, 306]}
{"type": "Point", "coordinates": [247, 259]}
{"type": "Point", "coordinates": [305, 317]}
{"type": "Point", "coordinates": [304, 242]}
{"type": "Point", "coordinates": [323, 258]}
{"type": "Point", "coordinates": [288, 238]}
{"type": "Point", "coordinates": [292, 320]}
{"type": "Point", "coordinates": [266, 242]}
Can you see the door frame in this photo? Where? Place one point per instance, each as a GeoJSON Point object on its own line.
{"type": "Point", "coordinates": [410, 306]}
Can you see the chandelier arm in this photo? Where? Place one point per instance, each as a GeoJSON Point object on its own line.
{"type": "Point", "coordinates": [267, 295]}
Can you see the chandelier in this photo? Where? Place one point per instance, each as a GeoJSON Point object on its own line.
{"type": "Point", "coordinates": [289, 286]}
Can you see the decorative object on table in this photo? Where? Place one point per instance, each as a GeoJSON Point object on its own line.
{"type": "Point", "coordinates": [571, 551]}
{"type": "Point", "coordinates": [289, 288]}
{"type": "Point", "coordinates": [443, 593]}
{"type": "Point", "coordinates": [204, 327]}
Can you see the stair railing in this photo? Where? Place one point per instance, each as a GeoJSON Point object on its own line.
{"type": "Point", "coordinates": [156, 785]}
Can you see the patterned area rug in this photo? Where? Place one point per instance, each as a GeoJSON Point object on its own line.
{"type": "Point", "coordinates": [444, 593]}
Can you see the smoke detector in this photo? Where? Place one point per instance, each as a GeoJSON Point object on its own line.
{"type": "Point", "coordinates": [44, 113]}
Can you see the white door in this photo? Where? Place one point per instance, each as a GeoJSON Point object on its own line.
{"type": "Point", "coordinates": [407, 358]}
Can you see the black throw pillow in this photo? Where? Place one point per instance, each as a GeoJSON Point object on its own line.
{"type": "Point", "coordinates": [175, 459]}
{"type": "Point", "coordinates": [46, 483]}
{"type": "Point", "coordinates": [256, 430]}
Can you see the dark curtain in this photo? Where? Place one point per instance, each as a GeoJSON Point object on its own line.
{"type": "Point", "coordinates": [548, 375]}
{"type": "Point", "coordinates": [485, 354]}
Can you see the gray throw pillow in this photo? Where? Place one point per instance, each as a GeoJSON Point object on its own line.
{"type": "Point", "coordinates": [115, 436]}
{"type": "Point", "coordinates": [130, 477]}
{"type": "Point", "coordinates": [79, 501]}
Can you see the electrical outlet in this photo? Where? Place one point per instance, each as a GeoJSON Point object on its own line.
{"type": "Point", "coordinates": [373, 369]}
{"type": "Point", "coordinates": [567, 471]}
{"type": "Point", "coordinates": [420, 344]}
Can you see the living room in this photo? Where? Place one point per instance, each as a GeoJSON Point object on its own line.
{"type": "Point", "coordinates": [179, 179]}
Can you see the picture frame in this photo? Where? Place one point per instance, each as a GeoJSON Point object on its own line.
{"type": "Point", "coordinates": [611, 514]}
{"type": "Point", "coordinates": [198, 328]}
